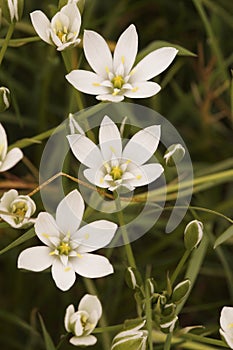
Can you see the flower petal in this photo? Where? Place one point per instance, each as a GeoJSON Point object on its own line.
{"type": "Point", "coordinates": [146, 174]}
{"type": "Point", "coordinates": [153, 64]}
{"type": "Point", "coordinates": [68, 44]}
{"type": "Point", "coordinates": [41, 25]}
{"type": "Point", "coordinates": [95, 235]}
{"type": "Point", "coordinates": [46, 228]}
{"type": "Point", "coordinates": [85, 150]}
{"type": "Point", "coordinates": [11, 159]}
{"type": "Point", "coordinates": [143, 90]}
{"type": "Point", "coordinates": [95, 177]}
{"type": "Point", "coordinates": [83, 341]}
{"type": "Point", "coordinates": [109, 139]}
{"type": "Point", "coordinates": [69, 212]}
{"type": "Point", "coordinates": [226, 317]}
{"type": "Point", "coordinates": [64, 276]}
{"type": "Point", "coordinates": [92, 266]}
{"type": "Point", "coordinates": [90, 303]}
{"type": "Point", "coordinates": [142, 145]}
{"type": "Point", "coordinates": [35, 259]}
{"type": "Point", "coordinates": [69, 312]}
{"type": "Point", "coordinates": [227, 337]}
{"type": "Point", "coordinates": [97, 53]}
{"type": "Point", "coordinates": [87, 82]}
{"type": "Point", "coordinates": [72, 12]}
{"type": "Point", "coordinates": [126, 49]}
{"type": "Point", "coordinates": [3, 143]}
{"type": "Point", "coordinates": [110, 98]}
{"type": "Point", "coordinates": [8, 198]}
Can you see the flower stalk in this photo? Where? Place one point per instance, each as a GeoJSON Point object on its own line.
{"type": "Point", "coordinates": [6, 41]}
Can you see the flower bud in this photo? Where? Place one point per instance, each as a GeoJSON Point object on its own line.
{"type": "Point", "coordinates": [133, 278]}
{"type": "Point", "coordinates": [180, 291]}
{"type": "Point", "coordinates": [133, 338]}
{"type": "Point", "coordinates": [169, 326]}
{"type": "Point", "coordinates": [12, 9]}
{"type": "Point", "coordinates": [174, 154]}
{"type": "Point", "coordinates": [4, 98]}
{"type": "Point", "coordinates": [79, 3]}
{"type": "Point", "coordinates": [193, 234]}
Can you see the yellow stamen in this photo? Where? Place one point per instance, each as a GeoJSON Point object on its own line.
{"type": "Point", "coordinates": [86, 236]}
{"type": "Point", "coordinates": [107, 69]}
{"type": "Point", "coordinates": [135, 89]}
{"type": "Point", "coordinates": [67, 269]}
{"type": "Point", "coordinates": [96, 84]}
{"type": "Point", "coordinates": [64, 248]}
{"type": "Point", "coordinates": [112, 149]}
{"type": "Point", "coordinates": [138, 177]}
{"type": "Point", "coordinates": [118, 82]}
{"type": "Point", "coordinates": [45, 235]}
{"type": "Point", "coordinates": [79, 255]}
{"type": "Point", "coordinates": [123, 59]}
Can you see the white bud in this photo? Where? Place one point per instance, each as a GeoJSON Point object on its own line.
{"type": "Point", "coordinates": [174, 154]}
{"type": "Point", "coordinates": [4, 98]}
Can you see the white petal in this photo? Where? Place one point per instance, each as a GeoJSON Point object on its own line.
{"type": "Point", "coordinates": [3, 142]}
{"type": "Point", "coordinates": [97, 53]}
{"type": "Point", "coordinates": [35, 259]}
{"type": "Point", "coordinates": [95, 235]}
{"type": "Point", "coordinates": [143, 90]}
{"type": "Point", "coordinates": [90, 303]}
{"type": "Point", "coordinates": [69, 312]}
{"type": "Point", "coordinates": [69, 212]}
{"type": "Point", "coordinates": [68, 44]}
{"type": "Point", "coordinates": [109, 139]}
{"type": "Point", "coordinates": [126, 49]}
{"type": "Point", "coordinates": [146, 174]}
{"type": "Point", "coordinates": [41, 25]}
{"type": "Point", "coordinates": [153, 64]}
{"type": "Point", "coordinates": [95, 177]}
{"type": "Point", "coordinates": [228, 338]}
{"type": "Point", "coordinates": [85, 150]}
{"type": "Point", "coordinates": [87, 82]}
{"type": "Point", "coordinates": [92, 266]}
{"type": "Point", "coordinates": [64, 276]}
{"type": "Point", "coordinates": [72, 12]}
{"type": "Point", "coordinates": [11, 159]}
{"type": "Point", "coordinates": [83, 341]}
{"type": "Point", "coordinates": [142, 145]}
{"type": "Point", "coordinates": [110, 98]}
{"type": "Point", "coordinates": [8, 198]}
{"type": "Point", "coordinates": [46, 228]}
{"type": "Point", "coordinates": [226, 317]}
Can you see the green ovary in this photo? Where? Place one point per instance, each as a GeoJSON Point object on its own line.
{"type": "Point", "coordinates": [64, 248]}
{"type": "Point", "coordinates": [116, 173]}
{"type": "Point", "coordinates": [19, 209]}
{"type": "Point", "coordinates": [118, 82]}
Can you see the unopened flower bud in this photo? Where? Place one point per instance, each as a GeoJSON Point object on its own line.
{"type": "Point", "coordinates": [133, 338]}
{"type": "Point", "coordinates": [174, 154]}
{"type": "Point", "coordinates": [133, 278]}
{"type": "Point", "coordinates": [180, 291]}
{"type": "Point", "coordinates": [12, 9]}
{"type": "Point", "coordinates": [4, 98]}
{"type": "Point", "coordinates": [193, 234]}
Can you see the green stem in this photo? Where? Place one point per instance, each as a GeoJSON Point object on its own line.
{"type": "Point", "coordinates": [114, 328]}
{"type": "Point", "coordinates": [149, 318]}
{"type": "Point", "coordinates": [199, 6]}
{"type": "Point", "coordinates": [6, 41]}
{"type": "Point", "coordinates": [180, 266]}
{"type": "Point", "coordinates": [125, 237]}
{"type": "Point", "coordinates": [90, 286]}
{"type": "Point", "coordinates": [167, 344]}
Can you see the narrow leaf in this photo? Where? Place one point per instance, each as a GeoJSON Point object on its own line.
{"type": "Point", "coordinates": [25, 237]}
{"type": "Point", "coordinates": [49, 345]}
{"type": "Point", "coordinates": [224, 236]}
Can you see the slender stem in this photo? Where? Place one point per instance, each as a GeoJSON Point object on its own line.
{"type": "Point", "coordinates": [6, 41]}
{"type": "Point", "coordinates": [63, 339]}
{"type": "Point", "coordinates": [180, 266]}
{"type": "Point", "coordinates": [125, 237]}
{"type": "Point", "coordinates": [149, 318]}
{"type": "Point", "coordinates": [90, 286]}
{"type": "Point", "coordinates": [167, 344]}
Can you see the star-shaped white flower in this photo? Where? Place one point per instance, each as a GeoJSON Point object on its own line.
{"type": "Point", "coordinates": [114, 76]}
{"type": "Point", "coordinates": [226, 323]}
{"type": "Point", "coordinates": [19, 207]}
{"type": "Point", "coordinates": [109, 165]}
{"type": "Point", "coordinates": [63, 30]}
{"type": "Point", "coordinates": [68, 246]}
{"type": "Point", "coordinates": [82, 322]}
{"type": "Point", "coordinates": [8, 159]}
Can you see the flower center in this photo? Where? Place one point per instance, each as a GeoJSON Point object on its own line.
{"type": "Point", "coordinates": [118, 82]}
{"type": "Point", "coordinates": [116, 173]}
{"type": "Point", "coordinates": [64, 248]}
{"type": "Point", "coordinates": [61, 31]}
{"type": "Point", "coordinates": [19, 209]}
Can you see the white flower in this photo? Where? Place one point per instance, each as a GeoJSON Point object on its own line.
{"type": "Point", "coordinates": [18, 209]}
{"type": "Point", "coordinates": [110, 166]}
{"type": "Point", "coordinates": [68, 246]}
{"type": "Point", "coordinates": [226, 323]}
{"type": "Point", "coordinates": [133, 338]}
{"type": "Point", "coordinates": [63, 30]}
{"type": "Point", "coordinates": [82, 322]}
{"type": "Point", "coordinates": [8, 159]}
{"type": "Point", "coordinates": [114, 77]}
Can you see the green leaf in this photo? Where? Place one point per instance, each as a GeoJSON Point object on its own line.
{"type": "Point", "coordinates": [224, 236]}
{"type": "Point", "coordinates": [49, 345]}
{"type": "Point", "coordinates": [25, 237]}
{"type": "Point", "coordinates": [158, 44]}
